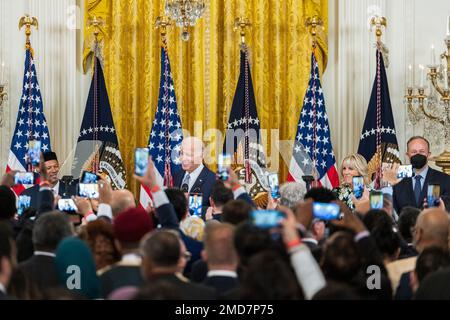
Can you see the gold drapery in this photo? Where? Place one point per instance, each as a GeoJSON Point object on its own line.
{"type": "Point", "coordinates": [206, 68]}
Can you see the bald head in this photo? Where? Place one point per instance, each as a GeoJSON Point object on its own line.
{"type": "Point", "coordinates": [191, 153]}
{"type": "Point", "coordinates": [122, 200]}
{"type": "Point", "coordinates": [432, 227]}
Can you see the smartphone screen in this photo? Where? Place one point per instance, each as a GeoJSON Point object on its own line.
{"type": "Point", "coordinates": [141, 156]}
{"type": "Point", "coordinates": [358, 187]}
{"type": "Point", "coordinates": [376, 200]}
{"type": "Point", "coordinates": [433, 195]}
{"type": "Point", "coordinates": [274, 186]}
{"type": "Point", "coordinates": [195, 204]}
{"type": "Point", "coordinates": [23, 203]}
{"type": "Point", "coordinates": [67, 205]}
{"type": "Point", "coordinates": [34, 152]}
{"type": "Point", "coordinates": [88, 177]}
{"type": "Point", "coordinates": [24, 178]}
{"type": "Point", "coordinates": [326, 211]}
{"type": "Point", "coordinates": [224, 162]}
{"type": "Point", "coordinates": [267, 219]}
{"type": "Point", "coordinates": [88, 190]}
{"type": "Point", "coordinates": [404, 171]}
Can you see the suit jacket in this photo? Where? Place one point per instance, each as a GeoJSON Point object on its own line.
{"type": "Point", "coordinates": [203, 185]}
{"type": "Point", "coordinates": [403, 195]}
{"type": "Point", "coordinates": [186, 289]}
{"type": "Point", "coordinates": [65, 191]}
{"type": "Point", "coordinates": [222, 284]}
{"type": "Point", "coordinates": [119, 276]}
{"type": "Point", "coordinates": [42, 271]}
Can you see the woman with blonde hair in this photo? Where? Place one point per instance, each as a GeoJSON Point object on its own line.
{"type": "Point", "coordinates": [353, 165]}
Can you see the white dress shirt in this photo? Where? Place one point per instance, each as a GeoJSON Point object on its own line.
{"type": "Point", "coordinates": [222, 273]}
{"type": "Point", "coordinates": [193, 176]}
{"type": "Point", "coordinates": [2, 288]}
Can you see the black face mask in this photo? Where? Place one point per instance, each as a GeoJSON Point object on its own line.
{"type": "Point", "coordinates": [418, 161]}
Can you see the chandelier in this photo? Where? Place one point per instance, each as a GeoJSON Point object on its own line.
{"type": "Point", "coordinates": [185, 14]}
{"type": "Point", "coordinates": [432, 108]}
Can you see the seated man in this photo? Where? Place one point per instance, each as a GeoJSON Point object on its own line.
{"type": "Point", "coordinates": [59, 187]}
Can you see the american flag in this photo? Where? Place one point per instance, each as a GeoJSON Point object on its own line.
{"type": "Point", "coordinates": [31, 123]}
{"type": "Point", "coordinates": [313, 152]}
{"type": "Point", "coordinates": [165, 138]}
{"type": "Point", "coordinates": [97, 146]}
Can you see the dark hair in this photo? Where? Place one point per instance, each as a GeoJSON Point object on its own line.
{"type": "Point", "coordinates": [8, 201]}
{"type": "Point", "coordinates": [162, 248]}
{"type": "Point", "coordinates": [221, 194]}
{"type": "Point", "coordinates": [321, 195]}
{"type": "Point", "coordinates": [236, 211]}
{"type": "Point", "coordinates": [50, 229]}
{"type": "Point", "coordinates": [178, 201]}
{"type": "Point", "coordinates": [407, 221]}
{"type": "Point", "coordinates": [381, 227]}
{"type": "Point", "coordinates": [416, 138]}
{"type": "Point", "coordinates": [341, 258]}
{"type": "Point", "coordinates": [336, 291]}
{"type": "Point", "coordinates": [431, 259]}
{"type": "Point", "coordinates": [159, 290]}
{"type": "Point", "coordinates": [22, 287]}
{"type": "Point", "coordinates": [6, 239]}
{"type": "Point", "coordinates": [269, 277]}
{"type": "Point", "coordinates": [250, 240]}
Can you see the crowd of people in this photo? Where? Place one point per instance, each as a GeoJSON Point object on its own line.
{"type": "Point", "coordinates": [121, 251]}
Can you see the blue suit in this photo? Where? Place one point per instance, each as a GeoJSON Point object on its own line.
{"type": "Point", "coordinates": [203, 185]}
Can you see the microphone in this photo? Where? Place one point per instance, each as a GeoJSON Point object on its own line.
{"type": "Point", "coordinates": [185, 187]}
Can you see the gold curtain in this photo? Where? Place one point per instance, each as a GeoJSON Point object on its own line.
{"type": "Point", "coordinates": [206, 68]}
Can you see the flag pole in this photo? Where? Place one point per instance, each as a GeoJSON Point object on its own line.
{"type": "Point", "coordinates": [241, 24]}
{"type": "Point", "coordinates": [378, 23]}
{"type": "Point", "coordinates": [312, 23]}
{"type": "Point", "coordinates": [162, 23]}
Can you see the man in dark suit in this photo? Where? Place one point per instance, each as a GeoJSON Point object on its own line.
{"type": "Point", "coordinates": [64, 189]}
{"type": "Point", "coordinates": [194, 177]}
{"type": "Point", "coordinates": [163, 257]}
{"type": "Point", "coordinates": [221, 258]}
{"type": "Point", "coordinates": [49, 230]}
{"type": "Point", "coordinates": [412, 192]}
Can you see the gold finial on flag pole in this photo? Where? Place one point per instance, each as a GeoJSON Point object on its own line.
{"type": "Point", "coordinates": [28, 21]}
{"type": "Point", "coordinates": [96, 24]}
{"type": "Point", "coordinates": [241, 23]}
{"type": "Point", "coordinates": [378, 22]}
{"type": "Point", "coordinates": [312, 23]}
{"type": "Point", "coordinates": [162, 23]}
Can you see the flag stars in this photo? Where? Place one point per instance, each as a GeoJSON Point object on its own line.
{"type": "Point", "coordinates": [17, 145]}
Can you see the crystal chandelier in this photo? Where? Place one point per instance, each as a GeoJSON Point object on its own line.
{"type": "Point", "coordinates": [185, 13]}
{"type": "Point", "coordinates": [433, 108]}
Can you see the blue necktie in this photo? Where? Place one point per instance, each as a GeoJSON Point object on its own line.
{"type": "Point", "coordinates": [417, 189]}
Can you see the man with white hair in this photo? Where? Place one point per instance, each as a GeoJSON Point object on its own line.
{"type": "Point", "coordinates": [194, 177]}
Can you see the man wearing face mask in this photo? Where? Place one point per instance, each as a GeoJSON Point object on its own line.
{"type": "Point", "coordinates": [412, 192]}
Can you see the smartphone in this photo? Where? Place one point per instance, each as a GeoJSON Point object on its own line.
{"type": "Point", "coordinates": [34, 152]}
{"type": "Point", "coordinates": [24, 178]}
{"type": "Point", "coordinates": [224, 162]}
{"type": "Point", "coordinates": [326, 211]}
{"type": "Point", "coordinates": [404, 171]}
{"type": "Point", "coordinates": [376, 200]}
{"type": "Point", "coordinates": [88, 190]}
{"type": "Point", "coordinates": [67, 205]}
{"type": "Point", "coordinates": [195, 204]}
{"type": "Point", "coordinates": [274, 186]}
{"type": "Point", "coordinates": [88, 177]}
{"type": "Point", "coordinates": [433, 195]}
{"type": "Point", "coordinates": [358, 186]}
{"type": "Point", "coordinates": [141, 156]}
{"type": "Point", "coordinates": [23, 203]}
{"type": "Point", "coordinates": [267, 219]}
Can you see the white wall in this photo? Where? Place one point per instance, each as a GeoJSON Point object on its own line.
{"type": "Point", "coordinates": [58, 62]}
{"type": "Point", "coordinates": [413, 26]}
